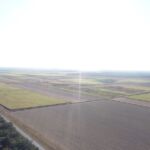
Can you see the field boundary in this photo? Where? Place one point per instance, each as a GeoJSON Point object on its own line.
{"type": "Point", "coordinates": [137, 102]}
{"type": "Point", "coordinates": [34, 107]}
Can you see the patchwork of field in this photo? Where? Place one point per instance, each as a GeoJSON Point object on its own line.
{"type": "Point", "coordinates": [38, 88]}
{"type": "Point", "coordinates": [100, 111]}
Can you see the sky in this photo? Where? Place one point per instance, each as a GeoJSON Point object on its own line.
{"type": "Point", "coordinates": [75, 34]}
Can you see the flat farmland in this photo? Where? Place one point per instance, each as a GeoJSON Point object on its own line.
{"type": "Point", "coordinates": [104, 110]}
{"type": "Point", "coordinates": [75, 86]}
{"type": "Point", "coordinates": [100, 125]}
{"type": "Point", "coordinates": [16, 98]}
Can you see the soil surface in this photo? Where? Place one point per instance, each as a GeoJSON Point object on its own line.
{"type": "Point", "coordinates": [99, 125]}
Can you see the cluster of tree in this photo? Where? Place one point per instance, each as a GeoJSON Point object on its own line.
{"type": "Point", "coordinates": [107, 80]}
{"type": "Point", "coordinates": [10, 139]}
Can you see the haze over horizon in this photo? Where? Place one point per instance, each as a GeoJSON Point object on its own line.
{"type": "Point", "coordinates": [78, 35]}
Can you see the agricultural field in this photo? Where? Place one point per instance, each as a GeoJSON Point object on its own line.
{"type": "Point", "coordinates": [16, 98]}
{"type": "Point", "coordinates": [99, 111]}
{"type": "Point", "coordinates": [106, 125]}
{"type": "Point", "coordinates": [52, 87]}
{"type": "Point", "coordinates": [143, 97]}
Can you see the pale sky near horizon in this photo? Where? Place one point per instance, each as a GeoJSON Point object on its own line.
{"type": "Point", "coordinates": [75, 34]}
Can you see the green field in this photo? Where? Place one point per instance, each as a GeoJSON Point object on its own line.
{"type": "Point", "coordinates": [15, 98]}
{"type": "Point", "coordinates": [144, 97]}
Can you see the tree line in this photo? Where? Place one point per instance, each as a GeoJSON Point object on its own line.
{"type": "Point", "coordinates": [10, 139]}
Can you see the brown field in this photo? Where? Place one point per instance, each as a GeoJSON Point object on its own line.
{"type": "Point", "coordinates": [103, 125]}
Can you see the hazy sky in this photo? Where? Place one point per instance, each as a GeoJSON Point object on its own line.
{"type": "Point", "coordinates": [75, 34]}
